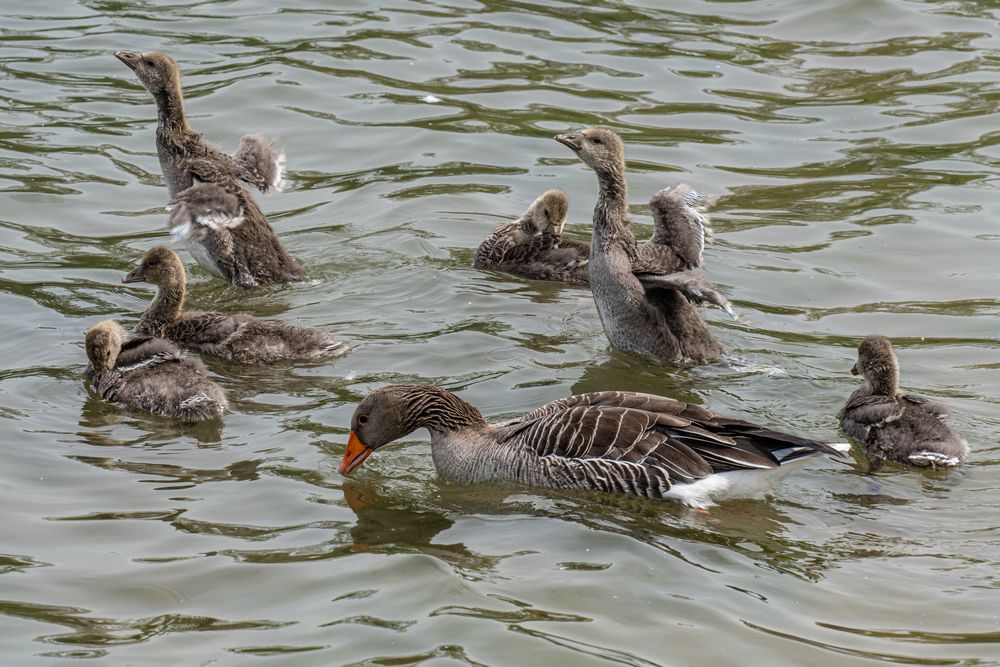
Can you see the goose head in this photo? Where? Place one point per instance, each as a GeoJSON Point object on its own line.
{"type": "Point", "coordinates": [547, 214]}
{"type": "Point", "coordinates": [877, 364]}
{"type": "Point", "coordinates": [104, 342]}
{"type": "Point", "coordinates": [160, 266]}
{"type": "Point", "coordinates": [156, 71]}
{"type": "Point", "coordinates": [395, 411]}
{"type": "Point", "coordinates": [599, 147]}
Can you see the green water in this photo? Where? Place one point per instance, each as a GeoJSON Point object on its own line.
{"type": "Point", "coordinates": [853, 150]}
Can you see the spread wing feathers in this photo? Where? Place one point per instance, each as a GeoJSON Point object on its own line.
{"type": "Point", "coordinates": [679, 221]}
{"type": "Point", "coordinates": [658, 258]}
{"type": "Point", "coordinates": [686, 441]}
{"type": "Point", "coordinates": [692, 285]}
{"type": "Point", "coordinates": [261, 164]}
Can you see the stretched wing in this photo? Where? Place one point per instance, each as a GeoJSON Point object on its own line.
{"type": "Point", "coordinates": [261, 164]}
{"type": "Point", "coordinates": [679, 222]}
{"type": "Point", "coordinates": [692, 285]}
{"type": "Point", "coordinates": [658, 258]}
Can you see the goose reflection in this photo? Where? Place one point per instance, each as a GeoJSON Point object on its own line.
{"type": "Point", "coordinates": [390, 525]}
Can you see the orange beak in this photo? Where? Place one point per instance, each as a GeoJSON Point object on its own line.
{"type": "Point", "coordinates": [355, 455]}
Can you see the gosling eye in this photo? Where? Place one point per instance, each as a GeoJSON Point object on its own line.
{"type": "Point", "coordinates": [363, 419]}
{"type": "Point", "coordinates": [153, 263]}
{"type": "Point", "coordinates": [596, 140]}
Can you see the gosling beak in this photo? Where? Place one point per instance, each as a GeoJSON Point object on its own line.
{"type": "Point", "coordinates": [136, 275]}
{"type": "Point", "coordinates": [130, 58]}
{"type": "Point", "coordinates": [355, 455]}
{"type": "Point", "coordinates": [573, 140]}
{"type": "Point", "coordinates": [854, 369]}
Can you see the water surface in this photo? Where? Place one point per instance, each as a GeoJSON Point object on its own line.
{"type": "Point", "coordinates": [852, 148]}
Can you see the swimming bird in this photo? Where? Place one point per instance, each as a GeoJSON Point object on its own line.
{"type": "Point", "coordinates": [237, 337]}
{"type": "Point", "coordinates": [614, 441]}
{"type": "Point", "coordinates": [892, 425]}
{"type": "Point", "coordinates": [643, 309]}
{"type": "Point", "coordinates": [150, 374]}
{"type": "Point", "coordinates": [533, 246]}
{"type": "Point", "coordinates": [220, 223]}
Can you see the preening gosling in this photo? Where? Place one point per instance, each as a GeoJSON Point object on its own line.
{"type": "Point", "coordinates": [235, 242]}
{"type": "Point", "coordinates": [237, 337]}
{"type": "Point", "coordinates": [892, 425]}
{"type": "Point", "coordinates": [150, 374]}
{"type": "Point", "coordinates": [614, 441]}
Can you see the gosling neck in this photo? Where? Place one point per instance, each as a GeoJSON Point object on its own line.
{"type": "Point", "coordinates": [170, 108]}
{"type": "Point", "coordinates": [166, 306]}
{"type": "Point", "coordinates": [884, 379]}
{"type": "Point", "coordinates": [611, 212]}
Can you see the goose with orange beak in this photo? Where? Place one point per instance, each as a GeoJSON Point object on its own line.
{"type": "Point", "coordinates": [613, 441]}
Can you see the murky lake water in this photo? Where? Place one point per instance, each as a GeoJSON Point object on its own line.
{"type": "Point", "coordinates": [853, 150]}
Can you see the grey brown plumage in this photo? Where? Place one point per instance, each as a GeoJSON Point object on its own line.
{"type": "Point", "coordinates": [255, 255]}
{"type": "Point", "coordinates": [643, 313]}
{"type": "Point", "coordinates": [533, 246]}
{"type": "Point", "coordinates": [612, 441]}
{"type": "Point", "coordinates": [238, 337]}
{"type": "Point", "coordinates": [150, 374]}
{"type": "Point", "coordinates": [892, 425]}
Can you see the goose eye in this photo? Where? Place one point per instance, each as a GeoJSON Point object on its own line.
{"type": "Point", "coordinates": [363, 419]}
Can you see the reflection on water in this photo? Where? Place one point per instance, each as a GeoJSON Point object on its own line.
{"type": "Point", "coordinates": [851, 150]}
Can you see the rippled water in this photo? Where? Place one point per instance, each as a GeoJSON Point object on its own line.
{"type": "Point", "coordinates": [853, 150]}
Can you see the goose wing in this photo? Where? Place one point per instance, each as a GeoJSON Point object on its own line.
{"type": "Point", "coordinates": [206, 328]}
{"type": "Point", "coordinates": [860, 415]}
{"type": "Point", "coordinates": [203, 218]}
{"type": "Point", "coordinates": [260, 163]}
{"type": "Point", "coordinates": [671, 441]}
{"type": "Point", "coordinates": [692, 285]}
{"type": "Point", "coordinates": [655, 258]}
{"type": "Point", "coordinates": [679, 222]}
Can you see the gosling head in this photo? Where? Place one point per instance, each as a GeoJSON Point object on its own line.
{"type": "Point", "coordinates": [599, 147]}
{"type": "Point", "coordinates": [878, 365]}
{"type": "Point", "coordinates": [104, 342]}
{"type": "Point", "coordinates": [547, 214]}
{"type": "Point", "coordinates": [156, 71]}
{"type": "Point", "coordinates": [160, 266]}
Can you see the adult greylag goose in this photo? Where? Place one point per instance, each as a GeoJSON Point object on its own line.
{"type": "Point", "coordinates": [533, 245]}
{"type": "Point", "coordinates": [643, 310]}
{"type": "Point", "coordinates": [237, 337]}
{"type": "Point", "coordinates": [892, 425]}
{"type": "Point", "coordinates": [613, 441]}
{"type": "Point", "coordinates": [150, 374]}
{"type": "Point", "coordinates": [221, 224]}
